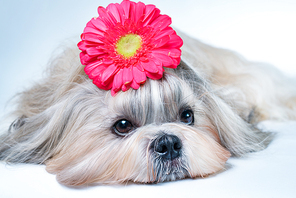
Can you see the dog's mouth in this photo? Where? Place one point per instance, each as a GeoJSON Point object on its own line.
{"type": "Point", "coordinates": [167, 170]}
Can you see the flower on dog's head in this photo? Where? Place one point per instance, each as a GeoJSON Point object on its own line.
{"type": "Point", "coordinates": [127, 43]}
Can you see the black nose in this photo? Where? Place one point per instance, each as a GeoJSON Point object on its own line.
{"type": "Point", "coordinates": [168, 146]}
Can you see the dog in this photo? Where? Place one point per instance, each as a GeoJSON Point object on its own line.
{"type": "Point", "coordinates": [185, 125]}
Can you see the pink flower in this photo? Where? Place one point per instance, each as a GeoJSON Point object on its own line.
{"type": "Point", "coordinates": [127, 43]}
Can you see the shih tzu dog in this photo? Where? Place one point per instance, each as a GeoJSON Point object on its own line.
{"type": "Point", "coordinates": [175, 123]}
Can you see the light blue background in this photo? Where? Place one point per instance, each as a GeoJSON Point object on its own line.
{"type": "Point", "coordinates": [261, 30]}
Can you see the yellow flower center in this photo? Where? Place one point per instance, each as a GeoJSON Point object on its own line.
{"type": "Point", "coordinates": [128, 45]}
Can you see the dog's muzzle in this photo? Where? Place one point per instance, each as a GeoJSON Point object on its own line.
{"type": "Point", "coordinates": [168, 147]}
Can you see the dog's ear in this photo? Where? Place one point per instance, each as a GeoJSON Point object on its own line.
{"type": "Point", "coordinates": [237, 135]}
{"type": "Point", "coordinates": [37, 138]}
{"type": "Point", "coordinates": [33, 139]}
{"type": "Point", "coordinates": [44, 110]}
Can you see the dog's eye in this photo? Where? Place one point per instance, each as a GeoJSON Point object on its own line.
{"type": "Point", "coordinates": [187, 117]}
{"type": "Point", "coordinates": [122, 127]}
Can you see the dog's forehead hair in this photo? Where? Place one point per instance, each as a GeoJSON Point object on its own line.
{"type": "Point", "coordinates": [156, 101]}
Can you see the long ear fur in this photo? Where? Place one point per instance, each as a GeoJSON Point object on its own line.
{"type": "Point", "coordinates": [255, 84]}
{"type": "Point", "coordinates": [34, 141]}
{"type": "Point", "coordinates": [40, 137]}
{"type": "Point", "coordinates": [236, 134]}
{"type": "Point", "coordinates": [63, 73]}
{"type": "Point", "coordinates": [34, 135]}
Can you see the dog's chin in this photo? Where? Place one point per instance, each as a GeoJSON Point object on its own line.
{"type": "Point", "coordinates": [169, 170]}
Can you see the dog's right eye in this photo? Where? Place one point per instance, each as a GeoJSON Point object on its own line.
{"type": "Point", "coordinates": [187, 117]}
{"type": "Point", "coordinates": [123, 127]}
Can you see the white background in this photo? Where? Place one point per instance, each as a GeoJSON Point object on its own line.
{"type": "Point", "coordinates": [261, 30]}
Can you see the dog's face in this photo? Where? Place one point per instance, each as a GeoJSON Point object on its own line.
{"type": "Point", "coordinates": [160, 132]}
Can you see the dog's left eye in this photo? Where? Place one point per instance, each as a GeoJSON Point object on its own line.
{"type": "Point", "coordinates": [122, 127]}
{"type": "Point", "coordinates": [187, 117]}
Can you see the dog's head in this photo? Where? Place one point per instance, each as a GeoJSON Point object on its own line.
{"type": "Point", "coordinates": [159, 132]}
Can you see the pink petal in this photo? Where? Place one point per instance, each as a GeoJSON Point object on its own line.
{"type": "Point", "coordinates": [99, 84]}
{"type": "Point", "coordinates": [161, 22]}
{"type": "Point", "coordinates": [90, 24]}
{"type": "Point", "coordinates": [162, 41]}
{"type": "Point", "coordinates": [175, 53]}
{"type": "Point", "coordinates": [165, 59]}
{"type": "Point", "coordinates": [135, 85]}
{"type": "Point", "coordinates": [156, 61]}
{"type": "Point", "coordinates": [89, 67]}
{"type": "Point", "coordinates": [175, 42]}
{"type": "Point", "coordinates": [84, 58]}
{"type": "Point", "coordinates": [139, 11]}
{"type": "Point", "coordinates": [149, 66]}
{"type": "Point", "coordinates": [126, 8]}
{"type": "Point", "coordinates": [168, 52]}
{"type": "Point", "coordinates": [117, 82]}
{"type": "Point", "coordinates": [154, 76]}
{"type": "Point", "coordinates": [114, 92]}
{"type": "Point", "coordinates": [164, 32]}
{"type": "Point", "coordinates": [139, 66]}
{"type": "Point", "coordinates": [139, 76]}
{"type": "Point", "coordinates": [99, 24]}
{"type": "Point", "coordinates": [91, 28]}
{"type": "Point", "coordinates": [105, 17]}
{"type": "Point", "coordinates": [127, 75]}
{"type": "Point", "coordinates": [132, 11]}
{"type": "Point", "coordinates": [107, 61]}
{"type": "Point", "coordinates": [92, 51]}
{"type": "Point", "coordinates": [149, 9]}
{"type": "Point", "coordinates": [112, 9]}
{"type": "Point", "coordinates": [91, 37]}
{"type": "Point", "coordinates": [82, 45]}
{"type": "Point", "coordinates": [176, 62]}
{"type": "Point", "coordinates": [125, 87]}
{"type": "Point", "coordinates": [121, 13]}
{"type": "Point", "coordinates": [151, 14]}
{"type": "Point", "coordinates": [103, 13]}
{"type": "Point", "coordinates": [108, 74]}
{"type": "Point", "coordinates": [96, 72]}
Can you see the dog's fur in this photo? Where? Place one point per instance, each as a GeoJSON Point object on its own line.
{"type": "Point", "coordinates": [67, 123]}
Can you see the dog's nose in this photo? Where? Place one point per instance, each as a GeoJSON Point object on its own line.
{"type": "Point", "coordinates": [168, 146]}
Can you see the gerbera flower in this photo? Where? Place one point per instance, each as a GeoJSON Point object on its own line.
{"type": "Point", "coordinates": [127, 43]}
